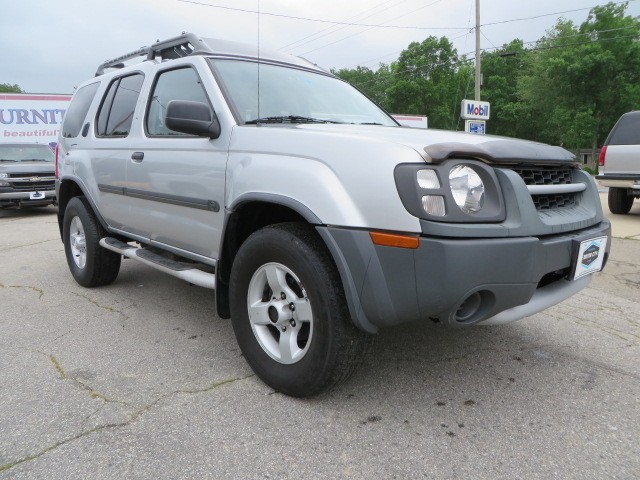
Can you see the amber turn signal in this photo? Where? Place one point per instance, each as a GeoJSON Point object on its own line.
{"type": "Point", "coordinates": [394, 240]}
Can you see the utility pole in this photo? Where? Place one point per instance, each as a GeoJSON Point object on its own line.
{"type": "Point", "coordinates": [478, 73]}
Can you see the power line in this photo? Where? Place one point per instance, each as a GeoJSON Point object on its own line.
{"type": "Point", "coordinates": [373, 61]}
{"type": "Point", "coordinates": [437, 1]}
{"type": "Point", "coordinates": [368, 63]}
{"type": "Point", "coordinates": [382, 26]}
{"type": "Point", "coordinates": [223, 7]}
{"type": "Point", "coordinates": [333, 27]}
{"type": "Point", "coordinates": [550, 14]}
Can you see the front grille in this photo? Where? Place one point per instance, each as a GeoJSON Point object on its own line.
{"type": "Point", "coordinates": [551, 202]}
{"type": "Point", "coordinates": [33, 186]}
{"type": "Point", "coordinates": [548, 175]}
{"type": "Point", "coordinates": [552, 175]}
{"type": "Point", "coordinates": [32, 174]}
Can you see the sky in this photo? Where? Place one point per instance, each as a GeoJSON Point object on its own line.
{"type": "Point", "coordinates": [51, 46]}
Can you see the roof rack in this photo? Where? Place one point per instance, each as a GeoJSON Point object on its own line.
{"type": "Point", "coordinates": [176, 47]}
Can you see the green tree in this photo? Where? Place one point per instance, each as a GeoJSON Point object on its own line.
{"type": "Point", "coordinates": [500, 70]}
{"type": "Point", "coordinates": [581, 79]}
{"type": "Point", "coordinates": [428, 78]}
{"type": "Point", "coordinates": [8, 88]}
{"type": "Point", "coordinates": [373, 84]}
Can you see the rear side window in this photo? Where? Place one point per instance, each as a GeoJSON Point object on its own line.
{"type": "Point", "coordinates": [78, 109]}
{"type": "Point", "coordinates": [180, 84]}
{"type": "Point", "coordinates": [626, 131]}
{"type": "Point", "coordinates": [116, 113]}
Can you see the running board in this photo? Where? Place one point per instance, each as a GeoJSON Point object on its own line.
{"type": "Point", "coordinates": [182, 270]}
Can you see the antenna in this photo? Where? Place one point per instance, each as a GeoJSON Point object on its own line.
{"type": "Point", "coordinates": [258, 60]}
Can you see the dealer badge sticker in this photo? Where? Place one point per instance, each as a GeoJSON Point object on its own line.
{"type": "Point", "coordinates": [590, 256]}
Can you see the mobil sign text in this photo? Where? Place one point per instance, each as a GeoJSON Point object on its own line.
{"type": "Point", "coordinates": [475, 110]}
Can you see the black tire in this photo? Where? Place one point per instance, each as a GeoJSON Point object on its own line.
{"type": "Point", "coordinates": [102, 265]}
{"type": "Point", "coordinates": [619, 201]}
{"type": "Point", "coordinates": [335, 346]}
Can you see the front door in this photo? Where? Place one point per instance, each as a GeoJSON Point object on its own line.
{"type": "Point", "coordinates": [175, 182]}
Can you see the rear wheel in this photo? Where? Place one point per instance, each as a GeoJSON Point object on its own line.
{"type": "Point", "coordinates": [619, 201]}
{"type": "Point", "coordinates": [289, 313]}
{"type": "Point", "coordinates": [89, 263]}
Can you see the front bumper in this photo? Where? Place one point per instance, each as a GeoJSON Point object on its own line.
{"type": "Point", "coordinates": [388, 286]}
{"type": "Point", "coordinates": [24, 198]}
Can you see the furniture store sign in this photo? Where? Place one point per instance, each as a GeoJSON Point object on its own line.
{"type": "Point", "coordinates": [31, 118]}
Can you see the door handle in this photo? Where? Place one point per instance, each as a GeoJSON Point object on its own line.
{"type": "Point", "coordinates": [137, 156]}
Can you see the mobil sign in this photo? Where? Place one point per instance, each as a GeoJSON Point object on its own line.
{"type": "Point", "coordinates": [475, 110]}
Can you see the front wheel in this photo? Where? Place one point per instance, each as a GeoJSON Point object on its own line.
{"type": "Point", "coordinates": [289, 312]}
{"type": "Point", "coordinates": [89, 263]}
{"type": "Point", "coordinates": [619, 201]}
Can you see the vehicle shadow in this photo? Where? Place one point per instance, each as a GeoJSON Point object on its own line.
{"type": "Point", "coordinates": [28, 212]}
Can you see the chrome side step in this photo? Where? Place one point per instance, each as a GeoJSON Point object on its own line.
{"type": "Point", "coordinates": [184, 271]}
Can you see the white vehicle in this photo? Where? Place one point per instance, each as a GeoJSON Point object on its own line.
{"type": "Point", "coordinates": [619, 163]}
{"type": "Point", "coordinates": [315, 217]}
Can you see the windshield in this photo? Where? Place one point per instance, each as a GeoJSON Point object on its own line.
{"type": "Point", "coordinates": [15, 152]}
{"type": "Point", "coordinates": [294, 96]}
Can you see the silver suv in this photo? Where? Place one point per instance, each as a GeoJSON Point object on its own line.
{"type": "Point", "coordinates": [315, 217]}
{"type": "Point", "coordinates": [619, 163]}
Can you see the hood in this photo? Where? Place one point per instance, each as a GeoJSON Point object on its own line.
{"type": "Point", "coordinates": [27, 167]}
{"type": "Point", "coordinates": [435, 146]}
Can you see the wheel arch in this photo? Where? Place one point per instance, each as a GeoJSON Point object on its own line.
{"type": "Point", "coordinates": [68, 189]}
{"type": "Point", "coordinates": [252, 212]}
{"type": "Point", "coordinates": [244, 216]}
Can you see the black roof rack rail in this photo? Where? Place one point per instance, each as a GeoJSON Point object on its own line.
{"type": "Point", "coordinates": [172, 48]}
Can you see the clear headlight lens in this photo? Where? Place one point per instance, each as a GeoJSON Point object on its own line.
{"type": "Point", "coordinates": [4, 175]}
{"type": "Point", "coordinates": [467, 188]}
{"type": "Point", "coordinates": [434, 205]}
{"type": "Point", "coordinates": [428, 179]}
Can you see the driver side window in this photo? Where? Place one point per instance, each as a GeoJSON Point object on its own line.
{"type": "Point", "coordinates": [179, 84]}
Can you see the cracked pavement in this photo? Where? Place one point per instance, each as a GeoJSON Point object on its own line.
{"type": "Point", "coordinates": [140, 379]}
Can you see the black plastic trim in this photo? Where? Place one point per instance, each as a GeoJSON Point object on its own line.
{"type": "Point", "coordinates": [189, 202]}
{"type": "Point", "coordinates": [294, 205]}
{"type": "Point", "coordinates": [501, 152]}
{"type": "Point", "coordinates": [84, 191]}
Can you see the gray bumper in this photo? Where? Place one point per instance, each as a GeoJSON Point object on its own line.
{"type": "Point", "coordinates": [387, 286]}
{"type": "Point", "coordinates": [25, 197]}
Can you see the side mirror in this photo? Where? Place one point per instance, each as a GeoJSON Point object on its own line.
{"type": "Point", "coordinates": [193, 118]}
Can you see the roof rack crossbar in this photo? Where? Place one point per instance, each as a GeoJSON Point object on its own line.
{"type": "Point", "coordinates": [118, 62]}
{"type": "Point", "coordinates": [172, 48]}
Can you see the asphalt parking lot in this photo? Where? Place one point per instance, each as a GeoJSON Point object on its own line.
{"type": "Point", "coordinates": [140, 379]}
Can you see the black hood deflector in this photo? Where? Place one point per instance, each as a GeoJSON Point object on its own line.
{"type": "Point", "coordinates": [501, 152]}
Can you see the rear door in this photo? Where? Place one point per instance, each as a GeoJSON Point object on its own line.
{"type": "Point", "coordinates": [111, 147]}
{"type": "Point", "coordinates": [175, 182]}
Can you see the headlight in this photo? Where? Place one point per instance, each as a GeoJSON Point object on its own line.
{"type": "Point", "coordinates": [4, 175]}
{"type": "Point", "coordinates": [467, 189]}
{"type": "Point", "coordinates": [454, 191]}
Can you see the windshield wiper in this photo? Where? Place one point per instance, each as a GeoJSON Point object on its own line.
{"type": "Point", "coordinates": [8, 160]}
{"type": "Point", "coordinates": [368, 123]}
{"type": "Point", "coordinates": [289, 119]}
